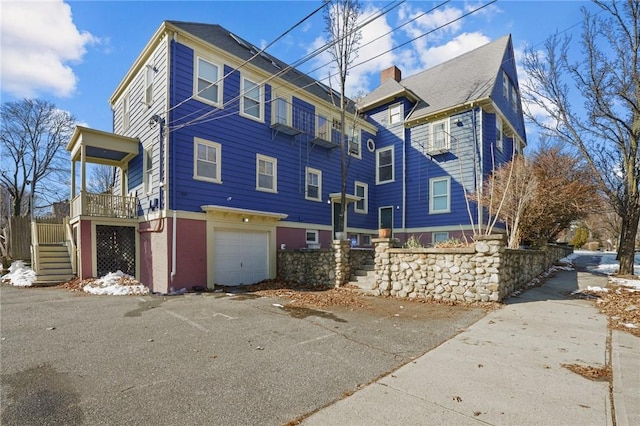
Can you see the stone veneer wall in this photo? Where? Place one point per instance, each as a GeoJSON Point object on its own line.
{"type": "Point", "coordinates": [487, 271]}
{"type": "Point", "coordinates": [321, 268]}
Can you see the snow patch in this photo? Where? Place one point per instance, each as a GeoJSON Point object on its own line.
{"type": "Point", "coordinates": [116, 284]}
{"type": "Point", "coordinates": [20, 275]}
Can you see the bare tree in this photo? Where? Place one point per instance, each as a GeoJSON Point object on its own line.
{"type": "Point", "coordinates": [607, 79]}
{"type": "Point", "coordinates": [101, 179]}
{"type": "Point", "coordinates": [341, 18]}
{"type": "Point", "coordinates": [33, 136]}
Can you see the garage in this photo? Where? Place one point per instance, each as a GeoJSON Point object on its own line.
{"type": "Point", "coordinates": [240, 257]}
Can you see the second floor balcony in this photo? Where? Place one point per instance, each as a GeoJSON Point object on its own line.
{"type": "Point", "coordinates": [104, 205]}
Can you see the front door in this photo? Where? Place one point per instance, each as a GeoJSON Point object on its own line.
{"type": "Point", "coordinates": [336, 217]}
{"type": "Point", "coordinates": [386, 217]}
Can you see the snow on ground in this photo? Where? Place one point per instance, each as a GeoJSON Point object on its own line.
{"type": "Point", "coordinates": [116, 284]}
{"type": "Point", "coordinates": [19, 275]}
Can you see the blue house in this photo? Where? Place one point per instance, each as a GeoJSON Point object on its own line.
{"type": "Point", "coordinates": [225, 154]}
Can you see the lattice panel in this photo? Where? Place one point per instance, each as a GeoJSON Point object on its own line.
{"type": "Point", "coordinates": [116, 249]}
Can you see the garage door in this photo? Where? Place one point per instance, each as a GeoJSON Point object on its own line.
{"type": "Point", "coordinates": [241, 257]}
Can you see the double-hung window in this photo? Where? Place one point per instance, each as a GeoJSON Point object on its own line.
{"type": "Point", "coordinates": [499, 133]}
{"type": "Point", "coordinates": [266, 173]}
{"type": "Point", "coordinates": [207, 87]}
{"type": "Point", "coordinates": [251, 99]}
{"type": "Point", "coordinates": [207, 159]}
{"type": "Point", "coordinates": [148, 84]}
{"type": "Point", "coordinates": [148, 168]}
{"type": "Point", "coordinates": [395, 114]}
{"type": "Point", "coordinates": [125, 113]}
{"type": "Point", "coordinates": [505, 85]}
{"type": "Point", "coordinates": [440, 140]}
{"type": "Point", "coordinates": [361, 190]}
{"type": "Point", "coordinates": [280, 111]}
{"type": "Point", "coordinates": [354, 144]}
{"type": "Point", "coordinates": [384, 165]}
{"type": "Point", "coordinates": [439, 195]}
{"type": "Point", "coordinates": [313, 184]}
{"type": "Point", "coordinates": [514, 98]}
{"type": "Point", "coordinates": [322, 128]}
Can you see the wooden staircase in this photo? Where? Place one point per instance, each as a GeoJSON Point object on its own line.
{"type": "Point", "coordinates": [364, 279]}
{"type": "Point", "coordinates": [54, 264]}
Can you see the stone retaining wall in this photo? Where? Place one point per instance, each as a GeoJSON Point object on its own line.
{"type": "Point", "coordinates": [324, 267]}
{"type": "Point", "coordinates": [486, 271]}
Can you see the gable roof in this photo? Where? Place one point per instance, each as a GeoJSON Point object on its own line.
{"type": "Point", "coordinates": [468, 77]}
{"type": "Point", "coordinates": [224, 39]}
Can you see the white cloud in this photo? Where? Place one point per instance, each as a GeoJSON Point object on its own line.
{"type": "Point", "coordinates": [460, 44]}
{"type": "Point", "coordinates": [39, 40]}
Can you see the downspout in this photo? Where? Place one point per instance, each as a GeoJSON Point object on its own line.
{"type": "Point", "coordinates": [480, 165]}
{"type": "Point", "coordinates": [404, 172]}
{"type": "Point", "coordinates": [173, 156]}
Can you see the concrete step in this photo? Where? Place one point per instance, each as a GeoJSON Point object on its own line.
{"type": "Point", "coordinates": [53, 279]}
{"type": "Point", "coordinates": [361, 273]}
{"type": "Point", "coordinates": [366, 284]}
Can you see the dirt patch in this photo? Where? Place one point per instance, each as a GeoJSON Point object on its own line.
{"type": "Point", "coordinates": [598, 374]}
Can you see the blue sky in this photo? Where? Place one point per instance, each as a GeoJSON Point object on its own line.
{"type": "Point", "coordinates": [74, 53]}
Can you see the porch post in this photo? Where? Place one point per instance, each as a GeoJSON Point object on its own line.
{"type": "Point", "coordinates": [73, 180]}
{"type": "Point", "coordinates": [83, 169]}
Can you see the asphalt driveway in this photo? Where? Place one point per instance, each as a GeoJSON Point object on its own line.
{"type": "Point", "coordinates": [211, 358]}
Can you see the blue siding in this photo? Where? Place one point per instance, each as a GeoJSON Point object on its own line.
{"type": "Point", "coordinates": [240, 139]}
{"type": "Point", "coordinates": [134, 172]}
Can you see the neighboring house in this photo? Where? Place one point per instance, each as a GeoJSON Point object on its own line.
{"type": "Point", "coordinates": [226, 155]}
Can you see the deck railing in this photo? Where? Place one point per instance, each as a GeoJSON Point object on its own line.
{"type": "Point", "coordinates": [104, 205]}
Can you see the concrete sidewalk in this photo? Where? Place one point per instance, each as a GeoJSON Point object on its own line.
{"type": "Point", "coordinates": [508, 369]}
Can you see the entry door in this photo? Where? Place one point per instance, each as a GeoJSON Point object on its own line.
{"type": "Point", "coordinates": [386, 217]}
{"type": "Point", "coordinates": [336, 217]}
{"type": "Point", "coordinates": [241, 257]}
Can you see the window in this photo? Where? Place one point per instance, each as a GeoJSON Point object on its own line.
{"type": "Point", "coordinates": [148, 168]}
{"type": "Point", "coordinates": [505, 85]}
{"type": "Point", "coordinates": [207, 160]}
{"type": "Point", "coordinates": [384, 165]}
{"type": "Point", "coordinates": [251, 100]}
{"type": "Point", "coordinates": [366, 240]}
{"type": "Point", "coordinates": [148, 85]}
{"type": "Point", "coordinates": [361, 190]}
{"type": "Point", "coordinates": [438, 237]}
{"type": "Point", "coordinates": [322, 128]}
{"type": "Point", "coordinates": [125, 113]}
{"type": "Point", "coordinates": [439, 195]}
{"type": "Point", "coordinates": [514, 98]}
{"type": "Point", "coordinates": [395, 114]}
{"type": "Point", "coordinates": [313, 184]}
{"type": "Point", "coordinates": [266, 173]}
{"type": "Point", "coordinates": [498, 132]}
{"type": "Point", "coordinates": [207, 84]}
{"type": "Point", "coordinates": [354, 144]}
{"type": "Point", "coordinates": [311, 236]}
{"type": "Point", "coordinates": [280, 111]}
{"type": "Point", "coordinates": [439, 136]}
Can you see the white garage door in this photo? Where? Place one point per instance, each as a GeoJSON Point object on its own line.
{"type": "Point", "coordinates": [241, 257]}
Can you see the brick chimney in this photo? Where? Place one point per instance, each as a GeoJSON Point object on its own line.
{"type": "Point", "coordinates": [391, 72]}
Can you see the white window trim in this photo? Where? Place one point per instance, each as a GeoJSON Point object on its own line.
{"type": "Point", "coordinates": [447, 135]}
{"type": "Point", "coordinates": [505, 85]}
{"type": "Point", "coordinates": [393, 114]}
{"type": "Point", "coordinates": [147, 169]}
{"type": "Point", "coordinates": [499, 132]}
{"type": "Point", "coordinates": [196, 94]}
{"type": "Point", "coordinates": [365, 198]}
{"type": "Point", "coordinates": [308, 170]}
{"type": "Point", "coordinates": [393, 165]}
{"type": "Point", "coordinates": [355, 135]}
{"type": "Point", "coordinates": [364, 240]}
{"type": "Point", "coordinates": [288, 106]}
{"type": "Point", "coordinates": [314, 232]}
{"type": "Point", "coordinates": [275, 173]}
{"type": "Point", "coordinates": [218, 147]}
{"type": "Point", "coordinates": [432, 181]}
{"type": "Point", "coordinates": [328, 125]}
{"type": "Point", "coordinates": [126, 112]}
{"type": "Point", "coordinates": [243, 95]}
{"type": "Point", "coordinates": [148, 84]}
{"type": "Point", "coordinates": [434, 234]}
